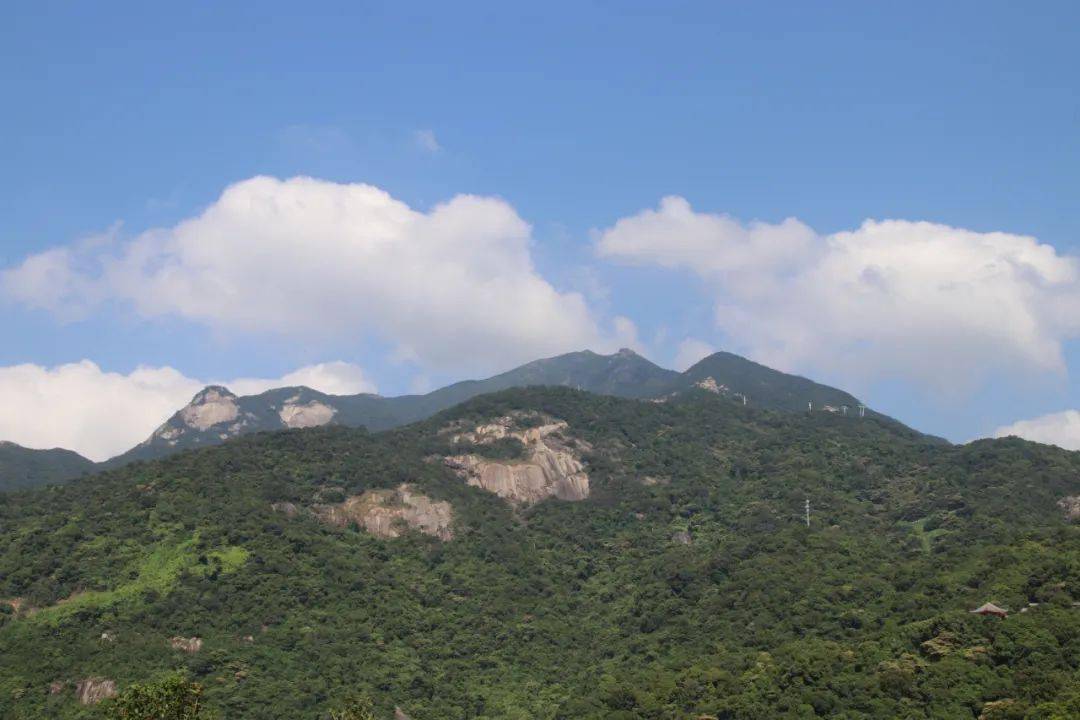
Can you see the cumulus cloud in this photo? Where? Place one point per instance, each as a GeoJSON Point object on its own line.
{"type": "Point", "coordinates": [690, 351]}
{"type": "Point", "coordinates": [935, 304]}
{"type": "Point", "coordinates": [100, 414]}
{"type": "Point", "coordinates": [1060, 428]}
{"type": "Point", "coordinates": [453, 288]}
{"type": "Point", "coordinates": [332, 378]}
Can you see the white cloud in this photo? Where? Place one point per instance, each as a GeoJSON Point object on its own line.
{"type": "Point", "coordinates": [426, 141]}
{"type": "Point", "coordinates": [100, 414]}
{"type": "Point", "coordinates": [690, 351]}
{"type": "Point", "coordinates": [332, 378]}
{"type": "Point", "coordinates": [1061, 429]}
{"type": "Point", "coordinates": [453, 288]}
{"type": "Point", "coordinates": [930, 303]}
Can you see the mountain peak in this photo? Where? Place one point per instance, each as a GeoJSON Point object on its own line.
{"type": "Point", "coordinates": [212, 393]}
{"type": "Point", "coordinates": [212, 405]}
{"type": "Point", "coordinates": [626, 352]}
{"type": "Point", "coordinates": [762, 386]}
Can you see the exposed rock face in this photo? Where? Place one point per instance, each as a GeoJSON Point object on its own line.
{"type": "Point", "coordinates": [212, 406]}
{"type": "Point", "coordinates": [551, 468]}
{"type": "Point", "coordinates": [1071, 506]}
{"type": "Point", "coordinates": [93, 690]}
{"type": "Point", "coordinates": [56, 687]}
{"type": "Point", "coordinates": [399, 714]}
{"type": "Point", "coordinates": [710, 385]}
{"type": "Point", "coordinates": [389, 513]}
{"type": "Point", "coordinates": [188, 645]}
{"type": "Point", "coordinates": [311, 414]}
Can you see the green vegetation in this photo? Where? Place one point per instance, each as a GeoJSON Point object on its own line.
{"type": "Point", "coordinates": [25, 468]}
{"type": "Point", "coordinates": [156, 574]}
{"type": "Point", "coordinates": [171, 698]}
{"type": "Point", "coordinates": [763, 386]}
{"type": "Point", "coordinates": [355, 708]}
{"type": "Point", "coordinates": [563, 610]}
{"type": "Point", "coordinates": [622, 374]}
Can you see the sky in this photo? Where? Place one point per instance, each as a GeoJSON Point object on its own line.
{"type": "Point", "coordinates": [386, 197]}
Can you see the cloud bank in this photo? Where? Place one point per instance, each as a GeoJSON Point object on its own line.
{"type": "Point", "coordinates": [100, 414]}
{"type": "Point", "coordinates": [453, 289]}
{"type": "Point", "coordinates": [938, 305]}
{"type": "Point", "coordinates": [1060, 428]}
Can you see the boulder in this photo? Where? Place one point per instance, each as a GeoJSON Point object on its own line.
{"type": "Point", "coordinates": [92, 690]}
{"type": "Point", "coordinates": [188, 645]}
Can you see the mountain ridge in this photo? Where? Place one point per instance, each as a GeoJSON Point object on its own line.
{"type": "Point", "coordinates": [22, 467]}
{"type": "Point", "coordinates": [216, 414]}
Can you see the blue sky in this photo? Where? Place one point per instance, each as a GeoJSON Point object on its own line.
{"type": "Point", "coordinates": [122, 117]}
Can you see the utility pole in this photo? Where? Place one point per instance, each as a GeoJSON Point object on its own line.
{"type": "Point", "coordinates": [807, 512]}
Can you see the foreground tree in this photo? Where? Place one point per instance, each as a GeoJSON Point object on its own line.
{"type": "Point", "coordinates": [171, 698]}
{"type": "Point", "coordinates": [357, 707]}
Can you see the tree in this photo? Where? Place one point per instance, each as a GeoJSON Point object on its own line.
{"type": "Point", "coordinates": [356, 707]}
{"type": "Point", "coordinates": [171, 698]}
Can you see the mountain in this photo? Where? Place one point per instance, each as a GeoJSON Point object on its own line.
{"type": "Point", "coordinates": [763, 386]}
{"type": "Point", "coordinates": [22, 467]}
{"type": "Point", "coordinates": [551, 553]}
{"type": "Point", "coordinates": [215, 414]}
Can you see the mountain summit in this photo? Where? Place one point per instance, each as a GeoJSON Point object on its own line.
{"type": "Point", "coordinates": [764, 387]}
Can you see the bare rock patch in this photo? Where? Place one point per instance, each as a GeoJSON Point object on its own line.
{"type": "Point", "coordinates": [212, 406]}
{"type": "Point", "coordinates": [92, 690]}
{"type": "Point", "coordinates": [390, 513]}
{"type": "Point", "coordinates": [304, 415]}
{"type": "Point", "coordinates": [551, 466]}
{"type": "Point", "coordinates": [188, 645]}
{"type": "Point", "coordinates": [1071, 506]}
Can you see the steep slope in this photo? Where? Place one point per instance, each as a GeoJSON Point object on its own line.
{"type": "Point", "coordinates": [22, 467]}
{"type": "Point", "coordinates": [313, 564]}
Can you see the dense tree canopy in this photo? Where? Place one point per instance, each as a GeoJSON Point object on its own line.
{"type": "Point", "coordinates": [687, 584]}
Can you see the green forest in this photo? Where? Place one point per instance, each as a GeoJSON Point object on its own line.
{"type": "Point", "coordinates": [687, 585]}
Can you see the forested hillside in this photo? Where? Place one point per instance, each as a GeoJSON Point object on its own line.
{"type": "Point", "coordinates": [22, 467]}
{"type": "Point", "coordinates": [684, 584]}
